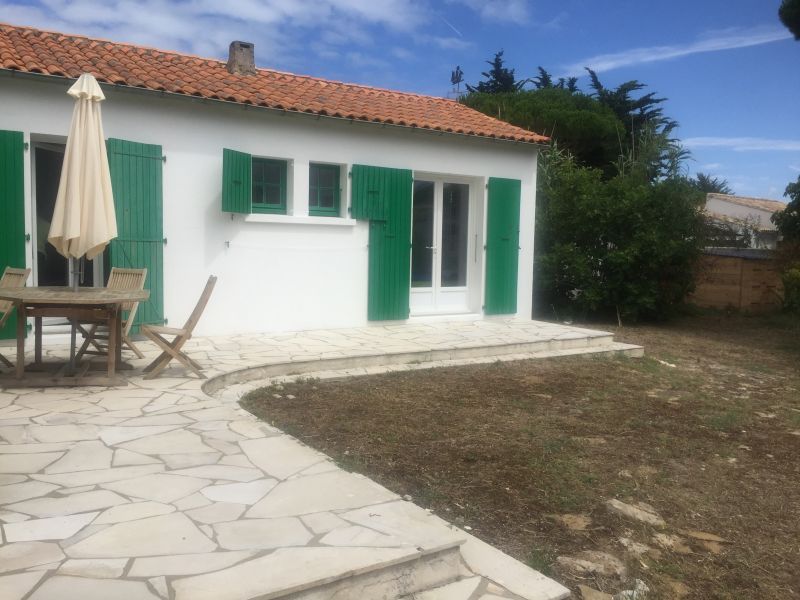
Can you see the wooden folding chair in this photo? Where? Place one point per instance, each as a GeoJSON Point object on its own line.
{"type": "Point", "coordinates": [172, 349]}
{"type": "Point", "coordinates": [118, 279]}
{"type": "Point", "coordinates": [11, 278]}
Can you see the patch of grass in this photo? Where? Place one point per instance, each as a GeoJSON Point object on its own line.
{"type": "Point", "coordinates": [649, 365]}
{"type": "Point", "coordinates": [670, 569]}
{"type": "Point", "coordinates": [541, 559]}
{"type": "Point", "coordinates": [349, 463]}
{"type": "Point", "coordinates": [730, 420]}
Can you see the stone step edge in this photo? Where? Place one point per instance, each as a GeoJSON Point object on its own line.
{"type": "Point", "coordinates": [414, 555]}
{"type": "Point", "coordinates": [268, 370]}
{"type": "Point", "coordinates": [235, 391]}
{"type": "Point", "coordinates": [506, 571]}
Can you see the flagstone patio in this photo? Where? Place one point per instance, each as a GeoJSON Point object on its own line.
{"type": "Point", "coordinates": [167, 489]}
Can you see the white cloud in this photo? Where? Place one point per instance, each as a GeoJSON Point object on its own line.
{"type": "Point", "coordinates": [282, 30]}
{"type": "Point", "coordinates": [359, 59]}
{"type": "Point", "coordinates": [712, 42]}
{"type": "Point", "coordinates": [402, 53]}
{"type": "Point", "coordinates": [711, 166]}
{"type": "Point", "coordinates": [556, 23]}
{"type": "Point", "coordinates": [795, 168]}
{"type": "Point", "coordinates": [451, 43]}
{"type": "Point", "coordinates": [503, 11]}
{"type": "Point", "coordinates": [743, 144]}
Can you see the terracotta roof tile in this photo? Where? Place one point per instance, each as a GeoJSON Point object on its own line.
{"type": "Point", "coordinates": [56, 54]}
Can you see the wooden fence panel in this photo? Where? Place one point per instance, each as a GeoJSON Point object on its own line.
{"type": "Point", "coordinates": [733, 282]}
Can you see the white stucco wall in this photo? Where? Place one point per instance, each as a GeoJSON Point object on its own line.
{"type": "Point", "coordinates": [272, 276]}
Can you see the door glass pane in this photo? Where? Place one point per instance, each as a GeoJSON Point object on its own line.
{"type": "Point", "coordinates": [455, 216]}
{"type": "Point", "coordinates": [53, 269]}
{"type": "Point", "coordinates": [422, 235]}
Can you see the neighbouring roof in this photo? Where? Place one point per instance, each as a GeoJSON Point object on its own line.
{"type": "Point", "coordinates": [758, 203]}
{"type": "Point", "coordinates": [29, 50]}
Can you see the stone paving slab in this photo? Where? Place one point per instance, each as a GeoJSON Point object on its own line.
{"type": "Point", "coordinates": [158, 490]}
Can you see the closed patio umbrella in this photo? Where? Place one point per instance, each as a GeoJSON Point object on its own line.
{"type": "Point", "coordinates": [83, 218]}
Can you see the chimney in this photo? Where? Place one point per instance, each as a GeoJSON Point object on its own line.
{"type": "Point", "coordinates": [240, 58]}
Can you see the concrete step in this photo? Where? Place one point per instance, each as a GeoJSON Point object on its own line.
{"type": "Point", "coordinates": [328, 573]}
{"type": "Point", "coordinates": [462, 570]}
{"type": "Point", "coordinates": [407, 574]}
{"type": "Point", "coordinates": [461, 589]}
{"type": "Point", "coordinates": [488, 572]}
{"type": "Point", "coordinates": [581, 342]}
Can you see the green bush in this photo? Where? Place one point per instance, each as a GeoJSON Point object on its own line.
{"type": "Point", "coordinates": [791, 289]}
{"type": "Point", "coordinates": [623, 246]}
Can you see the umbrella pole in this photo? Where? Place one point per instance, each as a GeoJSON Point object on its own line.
{"type": "Point", "coordinates": [71, 368]}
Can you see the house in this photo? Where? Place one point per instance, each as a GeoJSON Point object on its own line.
{"type": "Point", "coordinates": [319, 204]}
{"type": "Point", "coordinates": [745, 216]}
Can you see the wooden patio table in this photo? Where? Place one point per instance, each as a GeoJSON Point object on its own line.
{"type": "Point", "coordinates": [93, 304]}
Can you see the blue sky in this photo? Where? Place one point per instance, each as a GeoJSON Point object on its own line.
{"type": "Point", "coordinates": [728, 67]}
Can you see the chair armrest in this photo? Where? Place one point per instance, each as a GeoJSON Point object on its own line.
{"type": "Point", "coordinates": [162, 329]}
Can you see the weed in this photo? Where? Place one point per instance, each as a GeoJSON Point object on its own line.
{"type": "Point", "coordinates": [541, 559]}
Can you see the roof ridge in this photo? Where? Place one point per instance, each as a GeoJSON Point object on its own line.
{"type": "Point", "coordinates": [221, 61]}
{"type": "Point", "coordinates": [53, 53]}
{"type": "Point", "coordinates": [104, 40]}
{"type": "Point", "coordinates": [738, 197]}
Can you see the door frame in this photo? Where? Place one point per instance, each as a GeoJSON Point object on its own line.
{"type": "Point", "coordinates": [474, 233]}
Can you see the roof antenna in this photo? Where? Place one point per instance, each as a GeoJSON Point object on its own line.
{"type": "Point", "coordinates": [456, 77]}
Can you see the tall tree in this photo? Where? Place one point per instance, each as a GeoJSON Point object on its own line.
{"type": "Point", "coordinates": [497, 80]}
{"type": "Point", "coordinates": [711, 185]}
{"type": "Point", "coordinates": [634, 112]}
{"type": "Point", "coordinates": [578, 123]}
{"type": "Point", "coordinates": [582, 124]}
{"type": "Point", "coordinates": [544, 81]}
{"type": "Point", "coordinates": [570, 84]}
{"type": "Point", "coordinates": [788, 220]}
{"type": "Point", "coordinates": [648, 131]}
{"type": "Point", "coordinates": [789, 13]}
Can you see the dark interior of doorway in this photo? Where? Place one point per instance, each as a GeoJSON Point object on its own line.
{"type": "Point", "coordinates": [52, 268]}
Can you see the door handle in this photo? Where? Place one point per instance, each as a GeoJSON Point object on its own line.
{"type": "Point", "coordinates": [430, 247]}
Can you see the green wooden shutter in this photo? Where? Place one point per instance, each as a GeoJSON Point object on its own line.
{"type": "Point", "coordinates": [368, 200]}
{"type": "Point", "coordinates": [384, 197]}
{"type": "Point", "coordinates": [237, 177]}
{"type": "Point", "coordinates": [136, 173]}
{"type": "Point", "coordinates": [12, 212]}
{"type": "Point", "coordinates": [502, 246]}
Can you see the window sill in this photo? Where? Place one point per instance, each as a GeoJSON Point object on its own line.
{"type": "Point", "coordinates": [299, 220]}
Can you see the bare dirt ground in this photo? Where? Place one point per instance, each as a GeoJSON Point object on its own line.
{"type": "Point", "coordinates": [705, 429]}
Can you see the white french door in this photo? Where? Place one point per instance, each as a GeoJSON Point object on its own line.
{"type": "Point", "coordinates": [440, 246]}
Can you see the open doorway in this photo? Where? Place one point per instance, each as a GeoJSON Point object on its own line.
{"type": "Point", "coordinates": [52, 269]}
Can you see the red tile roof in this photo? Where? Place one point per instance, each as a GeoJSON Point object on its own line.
{"type": "Point", "coordinates": [48, 53]}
